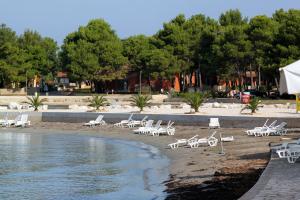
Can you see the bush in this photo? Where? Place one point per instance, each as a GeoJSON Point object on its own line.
{"type": "Point", "coordinates": [35, 102]}
{"type": "Point", "coordinates": [194, 100]}
{"type": "Point", "coordinates": [141, 101]}
{"type": "Point", "coordinates": [253, 105]}
{"type": "Point", "coordinates": [98, 101]}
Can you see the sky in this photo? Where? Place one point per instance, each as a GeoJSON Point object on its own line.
{"type": "Point", "coordinates": [57, 18]}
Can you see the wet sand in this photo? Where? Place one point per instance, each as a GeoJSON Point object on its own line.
{"type": "Point", "coordinates": [201, 173]}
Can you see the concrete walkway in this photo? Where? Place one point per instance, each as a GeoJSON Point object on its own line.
{"type": "Point", "coordinates": [280, 180]}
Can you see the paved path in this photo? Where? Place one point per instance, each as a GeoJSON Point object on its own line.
{"type": "Point", "coordinates": [280, 180]}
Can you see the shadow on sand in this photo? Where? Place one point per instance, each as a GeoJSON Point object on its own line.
{"type": "Point", "coordinates": [225, 185]}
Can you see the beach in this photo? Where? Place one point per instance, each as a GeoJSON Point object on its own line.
{"type": "Point", "coordinates": [194, 173]}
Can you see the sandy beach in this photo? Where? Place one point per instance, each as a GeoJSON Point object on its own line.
{"type": "Point", "coordinates": [194, 173]}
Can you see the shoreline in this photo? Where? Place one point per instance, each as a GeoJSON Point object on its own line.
{"type": "Point", "coordinates": [194, 173]}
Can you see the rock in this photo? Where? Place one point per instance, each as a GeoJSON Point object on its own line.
{"type": "Point", "coordinates": [216, 105]}
{"type": "Point", "coordinates": [13, 106]}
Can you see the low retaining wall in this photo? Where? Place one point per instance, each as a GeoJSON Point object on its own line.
{"type": "Point", "coordinates": [196, 120]}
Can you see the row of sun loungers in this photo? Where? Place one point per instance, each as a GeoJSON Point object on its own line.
{"type": "Point", "coordinates": [266, 130]}
{"type": "Point", "coordinates": [147, 127]}
{"type": "Point", "coordinates": [195, 141]}
{"type": "Point", "coordinates": [289, 150]}
{"type": "Point", "coordinates": [20, 121]}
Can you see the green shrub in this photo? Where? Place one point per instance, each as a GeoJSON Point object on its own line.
{"type": "Point", "coordinates": [141, 101]}
{"type": "Point", "coordinates": [194, 99]}
{"type": "Point", "coordinates": [253, 105]}
{"type": "Point", "coordinates": [98, 101]}
{"type": "Point", "coordinates": [35, 102]}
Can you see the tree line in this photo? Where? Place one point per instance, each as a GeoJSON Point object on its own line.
{"type": "Point", "coordinates": [225, 48]}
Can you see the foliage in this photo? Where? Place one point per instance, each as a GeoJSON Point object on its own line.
{"type": "Point", "coordinates": [226, 48]}
{"type": "Point", "coordinates": [253, 105]}
{"type": "Point", "coordinates": [94, 52]}
{"type": "Point", "coordinates": [25, 56]}
{"type": "Point", "coordinates": [98, 101]}
{"type": "Point", "coordinates": [219, 94]}
{"type": "Point", "coordinates": [35, 102]}
{"type": "Point", "coordinates": [194, 99]}
{"type": "Point", "coordinates": [141, 101]}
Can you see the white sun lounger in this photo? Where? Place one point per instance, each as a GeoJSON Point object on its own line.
{"type": "Point", "coordinates": [259, 129]}
{"type": "Point", "coordinates": [9, 122]}
{"type": "Point", "coordinates": [281, 150]}
{"type": "Point", "coordinates": [22, 121]}
{"type": "Point", "coordinates": [182, 142]}
{"type": "Point", "coordinates": [144, 128]}
{"type": "Point", "coordinates": [151, 129]}
{"type": "Point", "coordinates": [124, 122]}
{"type": "Point", "coordinates": [293, 154]}
{"type": "Point", "coordinates": [276, 130]}
{"type": "Point", "coordinates": [134, 123]}
{"type": "Point", "coordinates": [98, 121]}
{"type": "Point", "coordinates": [169, 130]}
{"type": "Point", "coordinates": [210, 141]}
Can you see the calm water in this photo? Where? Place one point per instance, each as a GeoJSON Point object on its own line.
{"type": "Point", "coordinates": [53, 166]}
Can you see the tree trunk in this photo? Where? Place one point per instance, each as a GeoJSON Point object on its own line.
{"type": "Point", "coordinates": [200, 78]}
{"type": "Point", "coordinates": [251, 76]}
{"type": "Point", "coordinates": [259, 76]}
{"type": "Point", "coordinates": [276, 82]}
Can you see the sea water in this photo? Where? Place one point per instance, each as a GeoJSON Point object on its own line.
{"type": "Point", "coordinates": [64, 166]}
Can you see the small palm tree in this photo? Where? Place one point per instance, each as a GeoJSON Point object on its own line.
{"type": "Point", "coordinates": [253, 105]}
{"type": "Point", "coordinates": [35, 102]}
{"type": "Point", "coordinates": [141, 101]}
{"type": "Point", "coordinates": [98, 101]}
{"type": "Point", "coordinates": [194, 100]}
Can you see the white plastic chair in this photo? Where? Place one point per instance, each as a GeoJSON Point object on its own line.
{"type": "Point", "coordinates": [169, 130]}
{"type": "Point", "coordinates": [124, 122]}
{"type": "Point", "coordinates": [182, 142]}
{"type": "Point", "coordinates": [23, 121]}
{"type": "Point", "coordinates": [98, 121]}
{"type": "Point", "coordinates": [144, 128]}
{"type": "Point", "coordinates": [134, 123]}
{"type": "Point", "coordinates": [276, 130]}
{"type": "Point", "coordinates": [210, 141]}
{"type": "Point", "coordinates": [214, 123]}
{"type": "Point", "coordinates": [151, 129]}
{"type": "Point", "coordinates": [259, 129]}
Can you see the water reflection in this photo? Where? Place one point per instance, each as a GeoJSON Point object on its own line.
{"type": "Point", "coordinates": [37, 166]}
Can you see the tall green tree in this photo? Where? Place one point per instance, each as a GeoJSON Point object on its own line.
{"type": "Point", "coordinates": [94, 52]}
{"type": "Point", "coordinates": [287, 41]}
{"type": "Point", "coordinates": [175, 40]}
{"type": "Point", "coordinates": [40, 54]}
{"type": "Point", "coordinates": [262, 31]}
{"type": "Point", "coordinates": [235, 47]}
{"type": "Point", "coordinates": [11, 58]}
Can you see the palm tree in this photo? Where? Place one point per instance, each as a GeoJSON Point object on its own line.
{"type": "Point", "coordinates": [253, 105]}
{"type": "Point", "coordinates": [140, 101]}
{"type": "Point", "coordinates": [98, 101]}
{"type": "Point", "coordinates": [35, 102]}
{"type": "Point", "coordinates": [194, 100]}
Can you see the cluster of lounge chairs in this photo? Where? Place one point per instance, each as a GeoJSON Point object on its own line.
{"type": "Point", "coordinates": [20, 121]}
{"type": "Point", "coordinates": [266, 130]}
{"type": "Point", "coordinates": [130, 123]}
{"type": "Point", "coordinates": [146, 127]}
{"type": "Point", "coordinates": [195, 141]}
{"type": "Point", "coordinates": [289, 150]}
{"type": "Point", "coordinates": [157, 129]}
